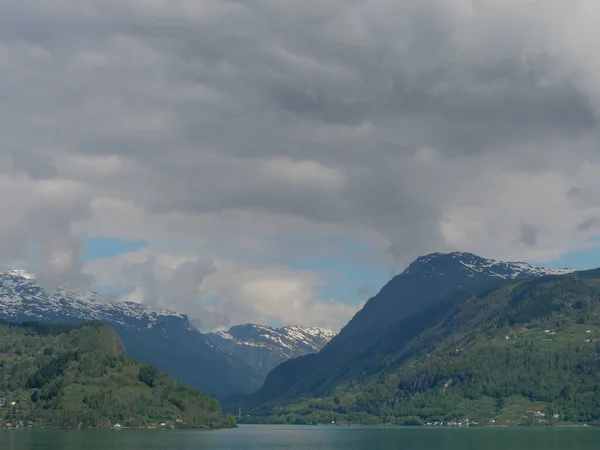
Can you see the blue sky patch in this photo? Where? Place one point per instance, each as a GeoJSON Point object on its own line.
{"type": "Point", "coordinates": [583, 259]}
{"type": "Point", "coordinates": [107, 247]}
{"type": "Point", "coordinates": [347, 281]}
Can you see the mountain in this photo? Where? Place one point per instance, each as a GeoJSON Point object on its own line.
{"type": "Point", "coordinates": [524, 353]}
{"type": "Point", "coordinates": [264, 347]}
{"type": "Point", "coordinates": [78, 376]}
{"type": "Point", "coordinates": [163, 338]}
{"type": "Point", "coordinates": [424, 293]}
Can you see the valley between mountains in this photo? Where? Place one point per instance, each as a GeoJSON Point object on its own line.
{"type": "Point", "coordinates": [219, 363]}
{"type": "Point", "coordinates": [453, 339]}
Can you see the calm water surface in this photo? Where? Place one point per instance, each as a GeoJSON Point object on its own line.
{"type": "Point", "coordinates": [303, 438]}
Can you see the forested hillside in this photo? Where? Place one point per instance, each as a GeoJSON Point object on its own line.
{"type": "Point", "coordinates": [79, 376]}
{"type": "Point", "coordinates": [525, 353]}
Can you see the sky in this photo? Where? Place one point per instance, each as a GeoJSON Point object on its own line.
{"type": "Point", "coordinates": [276, 163]}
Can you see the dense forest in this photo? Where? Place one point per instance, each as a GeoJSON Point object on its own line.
{"type": "Point", "coordinates": [78, 376]}
{"type": "Point", "coordinates": [523, 354]}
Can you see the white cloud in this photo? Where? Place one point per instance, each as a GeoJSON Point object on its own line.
{"type": "Point", "coordinates": [222, 293]}
{"type": "Point", "coordinates": [272, 294]}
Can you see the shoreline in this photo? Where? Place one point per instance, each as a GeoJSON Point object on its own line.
{"type": "Point", "coordinates": [412, 427]}
{"type": "Point", "coordinates": [200, 428]}
{"type": "Point", "coordinates": [421, 426]}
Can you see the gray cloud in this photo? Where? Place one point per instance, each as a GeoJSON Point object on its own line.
{"type": "Point", "coordinates": [213, 129]}
{"type": "Point", "coordinates": [177, 289]}
{"type": "Point", "coordinates": [589, 224]}
{"type": "Point", "coordinates": [529, 235]}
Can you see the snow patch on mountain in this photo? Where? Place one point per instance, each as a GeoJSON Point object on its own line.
{"type": "Point", "coordinates": [20, 273]}
{"type": "Point", "coordinates": [223, 335]}
{"type": "Point", "coordinates": [265, 347]}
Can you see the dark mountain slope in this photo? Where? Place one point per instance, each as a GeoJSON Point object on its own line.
{"type": "Point", "coordinates": [425, 282]}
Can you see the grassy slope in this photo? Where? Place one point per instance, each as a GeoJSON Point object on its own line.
{"type": "Point", "coordinates": [79, 376]}
{"type": "Point", "coordinates": [464, 366]}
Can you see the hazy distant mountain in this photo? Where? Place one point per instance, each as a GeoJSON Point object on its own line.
{"type": "Point", "coordinates": [264, 347]}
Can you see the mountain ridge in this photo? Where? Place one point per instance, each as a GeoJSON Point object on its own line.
{"type": "Point", "coordinates": [265, 347]}
{"type": "Point", "coordinates": [476, 264]}
{"type": "Point", "coordinates": [85, 305]}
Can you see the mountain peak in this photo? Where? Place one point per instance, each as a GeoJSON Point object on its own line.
{"type": "Point", "coordinates": [438, 264]}
{"type": "Point", "coordinates": [287, 336]}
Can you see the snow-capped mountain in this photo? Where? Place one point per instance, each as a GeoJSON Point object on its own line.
{"type": "Point", "coordinates": [435, 276]}
{"type": "Point", "coordinates": [264, 347]}
{"type": "Point", "coordinates": [431, 278]}
{"type": "Point", "coordinates": [165, 339]}
{"type": "Point", "coordinates": [435, 280]}
{"type": "Point", "coordinates": [434, 264]}
{"type": "Point", "coordinates": [429, 291]}
{"type": "Point", "coordinates": [22, 299]}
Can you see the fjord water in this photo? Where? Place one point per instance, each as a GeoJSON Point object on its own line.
{"type": "Point", "coordinates": [307, 438]}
